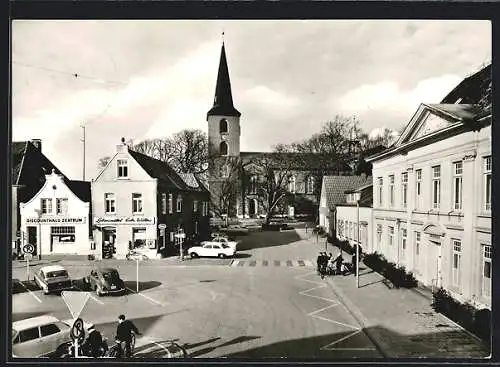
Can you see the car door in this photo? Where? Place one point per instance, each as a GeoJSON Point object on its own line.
{"type": "Point", "coordinates": [216, 250]}
{"type": "Point", "coordinates": [206, 250]}
{"type": "Point", "coordinates": [50, 338]}
{"type": "Point", "coordinates": [27, 343]}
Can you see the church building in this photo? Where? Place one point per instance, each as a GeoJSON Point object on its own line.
{"type": "Point", "coordinates": [234, 175]}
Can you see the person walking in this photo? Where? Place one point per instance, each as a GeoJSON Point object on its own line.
{"type": "Point", "coordinates": [319, 260]}
{"type": "Point", "coordinates": [124, 334]}
{"type": "Point", "coordinates": [338, 263]}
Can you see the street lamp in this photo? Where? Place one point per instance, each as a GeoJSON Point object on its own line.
{"type": "Point", "coordinates": [39, 244]}
{"type": "Point", "coordinates": [357, 197]}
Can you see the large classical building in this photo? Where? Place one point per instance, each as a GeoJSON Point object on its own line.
{"type": "Point", "coordinates": [432, 194]}
{"type": "Point", "coordinates": [233, 174]}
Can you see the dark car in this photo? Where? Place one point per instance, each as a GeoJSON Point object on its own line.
{"type": "Point", "coordinates": [105, 281]}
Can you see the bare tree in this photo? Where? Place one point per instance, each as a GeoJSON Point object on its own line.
{"type": "Point", "coordinates": [223, 192]}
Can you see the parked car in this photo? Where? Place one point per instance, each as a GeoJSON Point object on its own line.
{"type": "Point", "coordinates": [237, 229]}
{"type": "Point", "coordinates": [53, 278]}
{"type": "Point", "coordinates": [212, 249]}
{"type": "Point", "coordinates": [105, 281]}
{"type": "Point", "coordinates": [41, 336]}
{"type": "Point", "coordinates": [221, 240]}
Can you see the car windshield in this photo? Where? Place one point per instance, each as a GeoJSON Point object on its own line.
{"type": "Point", "coordinates": [57, 273]}
{"type": "Point", "coordinates": [110, 275]}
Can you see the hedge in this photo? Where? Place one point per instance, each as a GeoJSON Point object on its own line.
{"type": "Point", "coordinates": [398, 275]}
{"type": "Point", "coordinates": [477, 321]}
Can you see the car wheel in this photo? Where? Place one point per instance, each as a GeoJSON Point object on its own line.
{"type": "Point", "coordinates": [193, 255]}
{"type": "Point", "coordinates": [222, 256]}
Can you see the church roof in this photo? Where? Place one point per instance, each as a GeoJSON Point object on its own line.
{"type": "Point", "coordinates": [472, 89]}
{"type": "Point", "coordinates": [223, 99]}
{"type": "Point", "coordinates": [302, 161]}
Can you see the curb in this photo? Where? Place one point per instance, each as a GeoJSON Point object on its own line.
{"type": "Point", "coordinates": [358, 316]}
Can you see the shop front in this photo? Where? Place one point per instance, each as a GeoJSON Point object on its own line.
{"type": "Point", "coordinates": [118, 235]}
{"type": "Point", "coordinates": [56, 220]}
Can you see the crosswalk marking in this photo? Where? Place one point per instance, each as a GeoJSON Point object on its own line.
{"type": "Point", "coordinates": [270, 263]}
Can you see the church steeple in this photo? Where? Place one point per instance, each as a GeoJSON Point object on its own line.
{"type": "Point", "coordinates": [223, 99]}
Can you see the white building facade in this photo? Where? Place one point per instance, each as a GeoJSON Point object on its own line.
{"type": "Point", "coordinates": [56, 220]}
{"type": "Point", "coordinates": [432, 200]}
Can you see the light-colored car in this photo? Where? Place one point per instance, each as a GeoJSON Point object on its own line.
{"type": "Point", "coordinates": [41, 336]}
{"type": "Point", "coordinates": [210, 249]}
{"type": "Point", "coordinates": [53, 278]}
{"type": "Point", "coordinates": [221, 241]}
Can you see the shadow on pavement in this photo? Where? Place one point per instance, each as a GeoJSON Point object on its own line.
{"type": "Point", "coordinates": [108, 329]}
{"type": "Point", "coordinates": [131, 285]}
{"type": "Point", "coordinates": [196, 345]}
{"type": "Point", "coordinates": [16, 316]}
{"type": "Point", "coordinates": [444, 345]}
{"type": "Point", "coordinates": [267, 239]}
{"type": "Point", "coordinates": [22, 286]}
{"type": "Point", "coordinates": [240, 255]}
{"type": "Point", "coordinates": [198, 353]}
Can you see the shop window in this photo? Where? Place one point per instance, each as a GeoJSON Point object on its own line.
{"type": "Point", "coordinates": [122, 165]}
{"type": "Point", "coordinates": [138, 237]}
{"type": "Point", "coordinates": [62, 206]}
{"type": "Point", "coordinates": [109, 202]}
{"type": "Point", "coordinates": [46, 205]}
{"type": "Point", "coordinates": [62, 235]}
{"type": "Point", "coordinates": [136, 203]}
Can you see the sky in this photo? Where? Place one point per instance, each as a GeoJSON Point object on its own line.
{"type": "Point", "coordinates": [141, 79]}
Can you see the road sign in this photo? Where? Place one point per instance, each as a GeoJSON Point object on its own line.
{"type": "Point", "coordinates": [75, 301]}
{"type": "Point", "coordinates": [162, 226]}
{"type": "Point", "coordinates": [77, 330]}
{"type": "Point", "coordinates": [28, 248]}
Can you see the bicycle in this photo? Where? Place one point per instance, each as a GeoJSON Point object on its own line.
{"type": "Point", "coordinates": [118, 350]}
{"type": "Point", "coordinates": [169, 349]}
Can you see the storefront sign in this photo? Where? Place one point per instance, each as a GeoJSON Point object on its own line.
{"type": "Point", "coordinates": [123, 220]}
{"type": "Point", "coordinates": [56, 220]}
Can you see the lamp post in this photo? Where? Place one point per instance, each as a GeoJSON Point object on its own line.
{"type": "Point", "coordinates": [357, 196]}
{"type": "Point", "coordinates": [39, 242]}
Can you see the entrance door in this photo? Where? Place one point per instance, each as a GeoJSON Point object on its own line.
{"type": "Point", "coordinates": [251, 207]}
{"type": "Point", "coordinates": [33, 238]}
{"type": "Point", "coordinates": [434, 269]}
{"type": "Point", "coordinates": [108, 242]}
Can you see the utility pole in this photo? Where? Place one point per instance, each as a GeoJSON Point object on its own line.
{"type": "Point", "coordinates": [83, 140]}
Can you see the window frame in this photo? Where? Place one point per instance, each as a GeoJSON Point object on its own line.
{"type": "Point", "coordinates": [456, 247]}
{"type": "Point", "coordinates": [487, 163]}
{"type": "Point", "coordinates": [195, 206]}
{"type": "Point", "coordinates": [390, 233]}
{"type": "Point", "coordinates": [122, 168]}
{"type": "Point", "coordinates": [380, 184]}
{"type": "Point", "coordinates": [226, 145]}
{"type": "Point", "coordinates": [109, 200]}
{"type": "Point", "coordinates": [178, 203]}
{"type": "Point", "coordinates": [380, 231]}
{"type": "Point", "coordinates": [310, 185]}
{"type": "Point", "coordinates": [59, 207]}
{"type": "Point", "coordinates": [486, 281]}
{"type": "Point", "coordinates": [392, 180]}
{"type": "Point", "coordinates": [436, 187]}
{"type": "Point", "coordinates": [137, 203]}
{"type": "Point", "coordinates": [291, 184]}
{"type": "Point", "coordinates": [457, 184]}
{"type": "Point", "coordinates": [404, 242]}
{"type": "Point", "coordinates": [46, 205]}
{"type": "Point", "coordinates": [164, 203]}
{"type": "Point", "coordinates": [404, 189]}
{"type": "Point", "coordinates": [223, 122]}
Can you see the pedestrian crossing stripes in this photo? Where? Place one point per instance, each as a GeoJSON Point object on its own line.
{"type": "Point", "coordinates": [272, 263]}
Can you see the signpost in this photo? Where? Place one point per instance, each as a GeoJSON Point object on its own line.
{"type": "Point", "coordinates": [77, 333]}
{"type": "Point", "coordinates": [28, 250]}
{"type": "Point", "coordinates": [162, 228]}
{"type": "Point", "coordinates": [181, 235]}
{"type": "Point", "coordinates": [137, 275]}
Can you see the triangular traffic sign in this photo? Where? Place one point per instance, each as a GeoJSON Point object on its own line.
{"type": "Point", "coordinates": [75, 301]}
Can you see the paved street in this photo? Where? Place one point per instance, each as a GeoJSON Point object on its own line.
{"type": "Point", "coordinates": [218, 308]}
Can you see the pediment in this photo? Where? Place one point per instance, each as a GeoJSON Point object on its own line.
{"type": "Point", "coordinates": [425, 122]}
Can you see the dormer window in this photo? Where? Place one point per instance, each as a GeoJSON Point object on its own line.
{"type": "Point", "coordinates": [223, 126]}
{"type": "Point", "coordinates": [122, 166]}
{"type": "Point", "coordinates": [223, 148]}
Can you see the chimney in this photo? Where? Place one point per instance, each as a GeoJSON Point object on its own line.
{"type": "Point", "coordinates": [122, 148]}
{"type": "Point", "coordinates": [37, 143]}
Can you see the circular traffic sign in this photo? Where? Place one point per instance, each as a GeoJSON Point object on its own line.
{"type": "Point", "coordinates": [77, 330]}
{"type": "Point", "coordinates": [28, 248]}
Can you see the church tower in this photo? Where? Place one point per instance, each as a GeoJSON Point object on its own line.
{"type": "Point", "coordinates": [224, 144]}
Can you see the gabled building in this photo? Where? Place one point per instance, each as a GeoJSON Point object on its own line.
{"type": "Point", "coordinates": [432, 196]}
{"type": "Point", "coordinates": [333, 193]}
{"type": "Point", "coordinates": [141, 202]}
{"type": "Point", "coordinates": [56, 219]}
{"type": "Point", "coordinates": [29, 169]}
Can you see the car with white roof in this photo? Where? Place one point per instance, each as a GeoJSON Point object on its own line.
{"type": "Point", "coordinates": [53, 278]}
{"type": "Point", "coordinates": [41, 336]}
{"type": "Point", "coordinates": [212, 249]}
{"type": "Point", "coordinates": [221, 240]}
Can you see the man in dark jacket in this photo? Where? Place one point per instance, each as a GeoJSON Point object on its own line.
{"type": "Point", "coordinates": [124, 333]}
{"type": "Point", "coordinates": [94, 344]}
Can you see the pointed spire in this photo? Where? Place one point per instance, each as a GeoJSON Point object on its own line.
{"type": "Point", "coordinates": [223, 99]}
